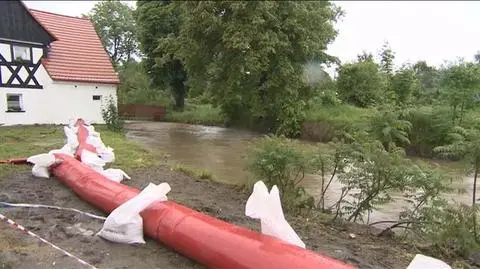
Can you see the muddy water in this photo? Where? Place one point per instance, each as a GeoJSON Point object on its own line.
{"type": "Point", "coordinates": [222, 151]}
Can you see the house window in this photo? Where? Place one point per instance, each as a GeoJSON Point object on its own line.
{"type": "Point", "coordinates": [14, 103]}
{"type": "Point", "coordinates": [21, 53]}
{"type": "Point", "coordinates": [97, 97]}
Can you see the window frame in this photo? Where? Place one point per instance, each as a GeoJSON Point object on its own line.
{"type": "Point", "coordinates": [96, 96]}
{"type": "Point", "coordinates": [20, 103]}
{"type": "Point", "coordinates": [28, 51]}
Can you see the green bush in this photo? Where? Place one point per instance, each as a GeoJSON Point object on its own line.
{"type": "Point", "coordinates": [451, 228]}
{"type": "Point", "coordinates": [430, 128]}
{"type": "Point", "coordinates": [112, 118]}
{"type": "Point", "coordinates": [389, 129]}
{"type": "Point", "coordinates": [281, 161]}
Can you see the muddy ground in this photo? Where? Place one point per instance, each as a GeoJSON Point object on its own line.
{"type": "Point", "coordinates": [76, 233]}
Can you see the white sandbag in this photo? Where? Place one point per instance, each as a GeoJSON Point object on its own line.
{"type": "Point", "coordinates": [41, 163]}
{"type": "Point", "coordinates": [72, 139]}
{"type": "Point", "coordinates": [423, 262]}
{"type": "Point", "coordinates": [114, 174]}
{"type": "Point", "coordinates": [92, 160]}
{"type": "Point", "coordinates": [91, 131]}
{"type": "Point", "coordinates": [97, 168]}
{"type": "Point", "coordinates": [71, 123]}
{"type": "Point", "coordinates": [124, 224]}
{"type": "Point", "coordinates": [40, 171]}
{"type": "Point", "coordinates": [106, 154]}
{"type": "Point", "coordinates": [268, 208]}
{"type": "Point", "coordinates": [95, 141]}
{"type": "Point", "coordinates": [66, 149]}
{"type": "Point", "coordinates": [43, 159]}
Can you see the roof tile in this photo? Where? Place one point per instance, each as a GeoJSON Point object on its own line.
{"type": "Point", "coordinates": [78, 54]}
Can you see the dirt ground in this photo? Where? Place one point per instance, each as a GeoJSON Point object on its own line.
{"type": "Point", "coordinates": [76, 233]}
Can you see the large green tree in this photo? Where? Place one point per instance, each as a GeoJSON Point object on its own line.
{"type": "Point", "coordinates": [405, 85]}
{"type": "Point", "coordinates": [461, 85]}
{"type": "Point", "coordinates": [250, 56]}
{"type": "Point", "coordinates": [361, 83]}
{"type": "Point", "coordinates": [158, 20]}
{"type": "Point", "coordinates": [115, 25]}
{"type": "Point", "coordinates": [428, 79]}
{"type": "Point", "coordinates": [387, 58]}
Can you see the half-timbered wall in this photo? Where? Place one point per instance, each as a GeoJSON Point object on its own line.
{"type": "Point", "coordinates": [16, 72]}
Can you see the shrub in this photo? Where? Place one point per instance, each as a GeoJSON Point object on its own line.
{"type": "Point", "coordinates": [389, 129]}
{"type": "Point", "coordinates": [430, 128]}
{"type": "Point", "coordinates": [112, 118]}
{"type": "Point", "coordinates": [452, 228]}
{"type": "Point", "coordinates": [280, 161]}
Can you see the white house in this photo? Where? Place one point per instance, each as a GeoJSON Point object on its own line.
{"type": "Point", "coordinates": [53, 68]}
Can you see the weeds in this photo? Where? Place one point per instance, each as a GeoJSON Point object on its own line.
{"type": "Point", "coordinates": [112, 117]}
{"type": "Point", "coordinates": [192, 172]}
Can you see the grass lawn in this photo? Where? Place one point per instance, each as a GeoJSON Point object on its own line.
{"type": "Point", "coordinates": [25, 141]}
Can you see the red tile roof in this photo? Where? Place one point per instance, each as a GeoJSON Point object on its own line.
{"type": "Point", "coordinates": [78, 54]}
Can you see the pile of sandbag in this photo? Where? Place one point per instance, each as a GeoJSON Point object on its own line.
{"type": "Point", "coordinates": [95, 160]}
{"type": "Point", "coordinates": [124, 224]}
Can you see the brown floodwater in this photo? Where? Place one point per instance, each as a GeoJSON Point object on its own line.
{"type": "Point", "coordinates": [222, 151]}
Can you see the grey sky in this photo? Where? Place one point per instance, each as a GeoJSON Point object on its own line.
{"type": "Point", "coordinates": [432, 30]}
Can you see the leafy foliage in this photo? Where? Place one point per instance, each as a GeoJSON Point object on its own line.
{"type": "Point", "coordinates": [387, 127]}
{"type": "Point", "coordinates": [451, 228]}
{"type": "Point", "coordinates": [135, 87]}
{"type": "Point", "coordinates": [460, 83]}
{"type": "Point", "coordinates": [429, 80]}
{"type": "Point", "coordinates": [464, 143]}
{"type": "Point", "coordinates": [111, 117]}
{"type": "Point", "coordinates": [405, 85]}
{"type": "Point", "coordinates": [115, 25]}
{"type": "Point", "coordinates": [279, 161]}
{"type": "Point", "coordinates": [430, 126]}
{"type": "Point", "coordinates": [387, 56]}
{"type": "Point", "coordinates": [250, 56]}
{"type": "Point", "coordinates": [373, 172]}
{"type": "Point", "coordinates": [159, 20]}
{"type": "Point", "coordinates": [360, 83]}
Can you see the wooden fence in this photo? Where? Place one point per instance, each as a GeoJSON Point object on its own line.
{"type": "Point", "coordinates": [143, 112]}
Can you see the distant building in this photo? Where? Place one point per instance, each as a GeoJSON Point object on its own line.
{"type": "Point", "coordinates": [53, 68]}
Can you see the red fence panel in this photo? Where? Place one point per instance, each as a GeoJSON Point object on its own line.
{"type": "Point", "coordinates": [140, 111]}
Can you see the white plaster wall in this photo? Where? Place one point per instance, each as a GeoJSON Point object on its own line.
{"type": "Point", "coordinates": [5, 51]}
{"type": "Point", "coordinates": [58, 102]}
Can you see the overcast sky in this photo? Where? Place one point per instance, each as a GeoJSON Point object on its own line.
{"type": "Point", "coordinates": [432, 30]}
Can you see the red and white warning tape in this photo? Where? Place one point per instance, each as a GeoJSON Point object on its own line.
{"type": "Point", "coordinates": [20, 227]}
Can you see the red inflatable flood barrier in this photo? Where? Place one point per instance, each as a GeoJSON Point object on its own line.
{"type": "Point", "coordinates": [207, 240]}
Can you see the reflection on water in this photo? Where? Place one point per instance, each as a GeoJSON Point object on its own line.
{"type": "Point", "coordinates": [222, 151]}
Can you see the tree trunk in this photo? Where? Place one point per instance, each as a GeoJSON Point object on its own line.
{"type": "Point", "coordinates": [179, 101]}
{"type": "Point", "coordinates": [322, 199]}
{"type": "Point", "coordinates": [179, 94]}
{"type": "Point", "coordinates": [474, 194]}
